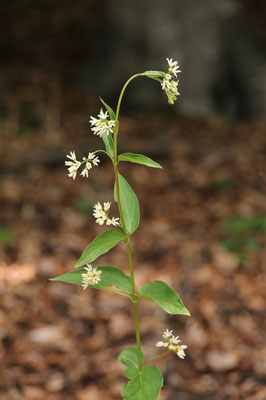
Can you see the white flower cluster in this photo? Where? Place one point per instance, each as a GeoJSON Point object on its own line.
{"type": "Point", "coordinates": [91, 277]}
{"type": "Point", "coordinates": [172, 344]}
{"type": "Point", "coordinates": [73, 165]}
{"type": "Point", "coordinates": [168, 83]}
{"type": "Point", "coordinates": [101, 214]}
{"type": "Point", "coordinates": [102, 124]}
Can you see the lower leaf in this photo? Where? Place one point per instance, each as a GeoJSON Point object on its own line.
{"type": "Point", "coordinates": [143, 385]}
{"type": "Point", "coordinates": [129, 357]}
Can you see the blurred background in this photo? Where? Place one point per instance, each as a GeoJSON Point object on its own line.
{"type": "Point", "coordinates": [203, 217]}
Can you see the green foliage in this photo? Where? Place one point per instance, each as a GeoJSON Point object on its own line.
{"type": "Point", "coordinates": [242, 234]}
{"type": "Point", "coordinates": [138, 159]}
{"type": "Point", "coordinates": [145, 382]}
{"type": "Point", "coordinates": [84, 205]}
{"type": "Point", "coordinates": [129, 357]}
{"type": "Point", "coordinates": [7, 236]}
{"type": "Point", "coordinates": [154, 74]}
{"type": "Point", "coordinates": [143, 385]}
{"type": "Point", "coordinates": [107, 139]}
{"type": "Point", "coordinates": [171, 96]}
{"type": "Point", "coordinates": [109, 109]}
{"type": "Point", "coordinates": [109, 143]}
{"type": "Point", "coordinates": [129, 204]}
{"type": "Point", "coordinates": [100, 245]}
{"type": "Point", "coordinates": [110, 276]}
{"type": "Point", "coordinates": [224, 186]}
{"type": "Point", "coordinates": [160, 293]}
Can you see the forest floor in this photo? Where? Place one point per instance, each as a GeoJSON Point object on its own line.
{"type": "Point", "coordinates": [58, 342]}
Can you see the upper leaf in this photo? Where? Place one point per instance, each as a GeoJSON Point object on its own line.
{"type": "Point", "coordinates": [129, 204]}
{"type": "Point", "coordinates": [154, 74]}
{"type": "Point", "coordinates": [107, 139]}
{"type": "Point", "coordinates": [163, 295]}
{"type": "Point", "coordinates": [100, 245]}
{"type": "Point", "coordinates": [110, 276]}
{"type": "Point", "coordinates": [138, 159]}
{"type": "Point", "coordinates": [143, 385]}
{"type": "Point", "coordinates": [129, 357]}
{"type": "Point", "coordinates": [109, 143]}
{"type": "Point", "coordinates": [108, 108]}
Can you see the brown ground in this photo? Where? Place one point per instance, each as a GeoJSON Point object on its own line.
{"type": "Point", "coordinates": [60, 342]}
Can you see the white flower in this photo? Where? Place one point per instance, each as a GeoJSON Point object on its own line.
{"type": "Point", "coordinates": [102, 124]}
{"type": "Point", "coordinates": [71, 157]}
{"type": "Point", "coordinates": [96, 161]}
{"type": "Point", "coordinates": [113, 221]}
{"type": "Point", "coordinates": [161, 344]}
{"type": "Point", "coordinates": [91, 156]}
{"type": "Point", "coordinates": [180, 351]}
{"type": "Point", "coordinates": [174, 340]}
{"type": "Point", "coordinates": [73, 164]}
{"type": "Point", "coordinates": [167, 334]}
{"type": "Point", "coordinates": [85, 172]}
{"type": "Point", "coordinates": [103, 115]}
{"type": "Point", "coordinates": [166, 84]}
{"type": "Point", "coordinates": [101, 214]}
{"type": "Point", "coordinates": [106, 206]}
{"type": "Point", "coordinates": [91, 277]}
{"type": "Point", "coordinates": [172, 344]}
{"type": "Point", "coordinates": [173, 67]}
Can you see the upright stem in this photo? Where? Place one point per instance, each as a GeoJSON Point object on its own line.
{"type": "Point", "coordinates": [127, 235]}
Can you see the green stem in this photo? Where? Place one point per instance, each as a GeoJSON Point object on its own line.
{"type": "Point", "coordinates": [117, 292]}
{"type": "Point", "coordinates": [155, 358]}
{"type": "Point", "coordinates": [122, 93]}
{"type": "Point", "coordinates": [102, 151]}
{"type": "Point", "coordinates": [134, 297]}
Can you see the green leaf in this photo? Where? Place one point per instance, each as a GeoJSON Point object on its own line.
{"type": "Point", "coordinates": [100, 245]}
{"type": "Point", "coordinates": [109, 143]}
{"type": "Point", "coordinates": [129, 357]}
{"type": "Point", "coordinates": [154, 74]}
{"type": "Point", "coordinates": [110, 276]}
{"type": "Point", "coordinates": [129, 204]}
{"type": "Point", "coordinates": [160, 293]}
{"type": "Point", "coordinates": [143, 385]}
{"type": "Point", "coordinates": [108, 108]}
{"type": "Point", "coordinates": [107, 139]}
{"type": "Point", "coordinates": [138, 159]}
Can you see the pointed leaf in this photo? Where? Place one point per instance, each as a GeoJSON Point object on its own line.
{"type": "Point", "coordinates": [129, 204]}
{"type": "Point", "coordinates": [109, 143]}
{"type": "Point", "coordinates": [108, 108]}
{"type": "Point", "coordinates": [163, 295]}
{"type": "Point", "coordinates": [100, 245]}
{"type": "Point", "coordinates": [138, 159]}
{"type": "Point", "coordinates": [129, 357]}
{"type": "Point", "coordinates": [110, 276]}
{"type": "Point", "coordinates": [154, 74]}
{"type": "Point", "coordinates": [143, 385]}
